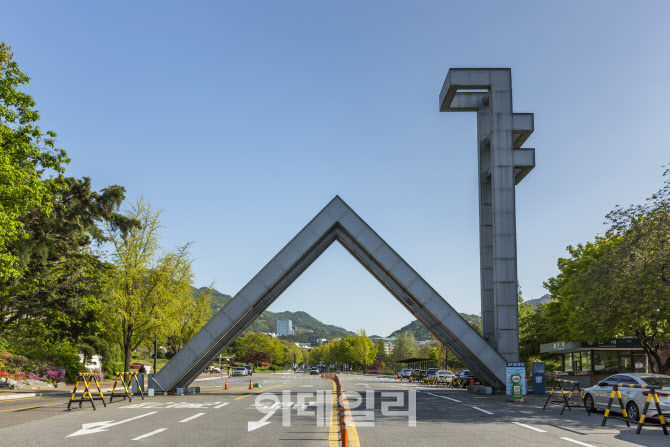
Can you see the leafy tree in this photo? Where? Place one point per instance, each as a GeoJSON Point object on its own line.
{"type": "Point", "coordinates": [56, 299]}
{"type": "Point", "coordinates": [405, 346]}
{"type": "Point", "coordinates": [147, 283]}
{"type": "Point", "coordinates": [258, 342]}
{"type": "Point", "coordinates": [363, 350]}
{"type": "Point", "coordinates": [255, 358]}
{"type": "Point", "coordinates": [26, 153]}
{"type": "Point", "coordinates": [620, 283]}
{"type": "Point", "coordinates": [191, 311]}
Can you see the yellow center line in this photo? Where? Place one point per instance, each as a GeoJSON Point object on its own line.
{"type": "Point", "coordinates": [334, 435]}
{"type": "Point", "coordinates": [29, 408]}
{"type": "Point", "coordinates": [21, 398]}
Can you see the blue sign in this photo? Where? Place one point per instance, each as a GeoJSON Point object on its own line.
{"type": "Point", "coordinates": [516, 368]}
{"type": "Point", "coordinates": [539, 387]}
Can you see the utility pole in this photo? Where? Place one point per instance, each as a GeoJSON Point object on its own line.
{"type": "Point", "coordinates": [155, 350]}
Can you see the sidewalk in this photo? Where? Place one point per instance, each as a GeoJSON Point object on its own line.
{"type": "Point", "coordinates": [105, 387]}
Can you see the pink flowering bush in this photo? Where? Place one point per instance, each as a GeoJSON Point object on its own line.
{"type": "Point", "coordinates": [18, 367]}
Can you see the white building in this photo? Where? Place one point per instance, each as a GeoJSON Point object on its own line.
{"type": "Point", "coordinates": [285, 327]}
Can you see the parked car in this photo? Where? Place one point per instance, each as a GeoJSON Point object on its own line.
{"type": "Point", "coordinates": [314, 370]}
{"type": "Point", "coordinates": [464, 377]}
{"type": "Point", "coordinates": [249, 369]}
{"type": "Point", "coordinates": [430, 372]}
{"type": "Point", "coordinates": [446, 375]}
{"type": "Point", "coordinates": [405, 373]}
{"type": "Point", "coordinates": [241, 371]}
{"type": "Point", "coordinates": [596, 397]}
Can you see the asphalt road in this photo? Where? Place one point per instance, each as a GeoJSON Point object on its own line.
{"type": "Point", "coordinates": [296, 410]}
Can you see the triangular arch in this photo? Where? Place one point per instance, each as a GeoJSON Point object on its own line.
{"type": "Point", "coordinates": [335, 222]}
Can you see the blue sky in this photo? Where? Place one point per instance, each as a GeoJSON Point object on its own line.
{"type": "Point", "coordinates": [241, 120]}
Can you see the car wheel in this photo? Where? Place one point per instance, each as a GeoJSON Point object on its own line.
{"type": "Point", "coordinates": [633, 411]}
{"type": "Point", "coordinates": [589, 404]}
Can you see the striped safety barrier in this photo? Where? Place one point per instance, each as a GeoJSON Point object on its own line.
{"type": "Point", "coordinates": [566, 399]}
{"type": "Point", "coordinates": [86, 379]}
{"type": "Point", "coordinates": [650, 395]}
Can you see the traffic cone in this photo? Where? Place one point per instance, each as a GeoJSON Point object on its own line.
{"type": "Point", "coordinates": [226, 385]}
{"type": "Point", "coordinates": [472, 382]}
{"type": "Point", "coordinates": [401, 378]}
{"type": "Point", "coordinates": [251, 385]}
{"type": "Point", "coordinates": [410, 379]}
{"type": "Point", "coordinates": [396, 377]}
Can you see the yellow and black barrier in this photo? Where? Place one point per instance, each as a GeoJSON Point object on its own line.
{"type": "Point", "coordinates": [566, 399]}
{"type": "Point", "coordinates": [87, 396]}
{"type": "Point", "coordinates": [650, 395]}
{"type": "Point", "coordinates": [126, 379]}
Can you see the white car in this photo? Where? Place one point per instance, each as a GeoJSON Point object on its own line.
{"type": "Point", "coordinates": [596, 397]}
{"type": "Point", "coordinates": [405, 372]}
{"type": "Point", "coordinates": [445, 374]}
{"type": "Point", "coordinates": [240, 372]}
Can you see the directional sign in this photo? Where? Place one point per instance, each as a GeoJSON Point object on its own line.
{"type": "Point", "coordinates": [97, 427]}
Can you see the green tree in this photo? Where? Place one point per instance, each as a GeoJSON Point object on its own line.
{"type": "Point", "coordinates": [620, 284]}
{"type": "Point", "coordinates": [188, 315]}
{"type": "Point", "coordinates": [26, 155]}
{"type": "Point", "coordinates": [405, 346]}
{"type": "Point", "coordinates": [363, 350]}
{"type": "Point", "coordinates": [55, 303]}
{"type": "Point", "coordinates": [258, 342]}
{"type": "Point", "coordinates": [147, 282]}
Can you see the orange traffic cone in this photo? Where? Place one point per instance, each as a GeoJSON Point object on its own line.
{"type": "Point", "coordinates": [410, 379]}
{"type": "Point", "coordinates": [226, 385]}
{"type": "Point", "coordinates": [251, 385]}
{"type": "Point", "coordinates": [472, 382]}
{"type": "Point", "coordinates": [401, 378]}
{"type": "Point", "coordinates": [396, 377]}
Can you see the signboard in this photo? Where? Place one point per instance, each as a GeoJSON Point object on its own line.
{"type": "Point", "coordinates": [539, 387]}
{"type": "Point", "coordinates": [516, 379]}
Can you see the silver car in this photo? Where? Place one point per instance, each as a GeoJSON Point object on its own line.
{"type": "Point", "coordinates": [634, 399]}
{"type": "Point", "coordinates": [240, 372]}
{"type": "Point", "coordinates": [446, 375]}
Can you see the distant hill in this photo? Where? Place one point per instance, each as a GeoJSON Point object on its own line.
{"type": "Point", "coordinates": [267, 321]}
{"type": "Point", "coordinates": [422, 333]}
{"type": "Point", "coordinates": [544, 299]}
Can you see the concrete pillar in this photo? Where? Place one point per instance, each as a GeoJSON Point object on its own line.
{"type": "Point", "coordinates": [502, 164]}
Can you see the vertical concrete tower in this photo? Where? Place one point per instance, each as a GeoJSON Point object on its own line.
{"type": "Point", "coordinates": [502, 165]}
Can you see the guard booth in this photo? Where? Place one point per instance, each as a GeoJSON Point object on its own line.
{"type": "Point", "coordinates": [589, 363]}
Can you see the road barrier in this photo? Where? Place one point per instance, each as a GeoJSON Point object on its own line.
{"type": "Point", "coordinates": [652, 392]}
{"type": "Point", "coordinates": [341, 408]}
{"type": "Point", "coordinates": [566, 400]}
{"type": "Point", "coordinates": [122, 376]}
{"type": "Point", "coordinates": [436, 381]}
{"type": "Point", "coordinates": [86, 379]}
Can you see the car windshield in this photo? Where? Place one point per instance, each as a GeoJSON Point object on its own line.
{"type": "Point", "coordinates": [659, 381]}
{"type": "Point", "coordinates": [241, 369]}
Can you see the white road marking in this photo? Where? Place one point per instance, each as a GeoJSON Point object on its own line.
{"type": "Point", "coordinates": [528, 426]}
{"type": "Point", "coordinates": [578, 442]}
{"type": "Point", "coordinates": [97, 427]}
{"type": "Point", "coordinates": [483, 411]}
{"type": "Point", "coordinates": [445, 397]}
{"type": "Point", "coordinates": [263, 422]}
{"type": "Point", "coordinates": [222, 405]}
{"type": "Point", "coordinates": [150, 434]}
{"type": "Point", "coordinates": [192, 417]}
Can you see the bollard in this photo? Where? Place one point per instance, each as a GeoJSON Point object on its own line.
{"type": "Point", "coordinates": [345, 440]}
